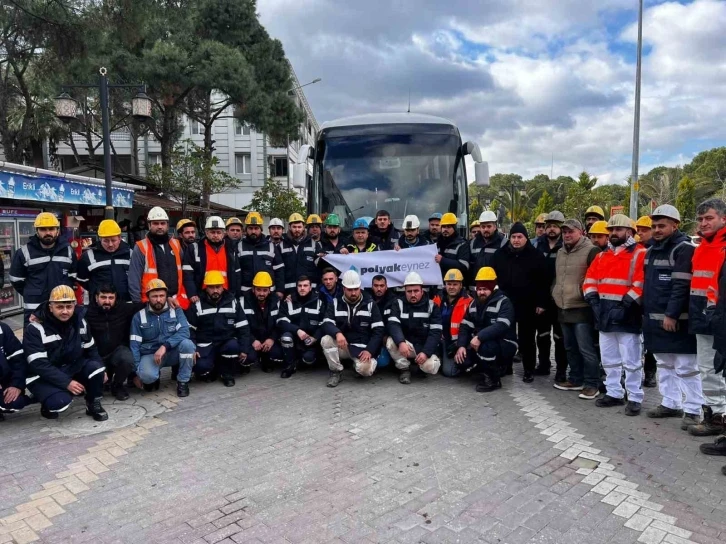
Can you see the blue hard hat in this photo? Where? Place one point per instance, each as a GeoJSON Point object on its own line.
{"type": "Point", "coordinates": [360, 223]}
{"type": "Point", "coordinates": [436, 215]}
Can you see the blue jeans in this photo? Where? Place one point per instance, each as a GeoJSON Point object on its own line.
{"type": "Point", "coordinates": [449, 368]}
{"type": "Point", "coordinates": [182, 355]}
{"type": "Point", "coordinates": [579, 339]}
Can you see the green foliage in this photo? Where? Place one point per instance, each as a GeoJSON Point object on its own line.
{"type": "Point", "coordinates": [545, 204]}
{"type": "Point", "coordinates": [275, 200]}
{"type": "Point", "coordinates": [708, 171]}
{"type": "Point", "coordinates": [686, 203]}
{"type": "Point", "coordinates": [585, 182]}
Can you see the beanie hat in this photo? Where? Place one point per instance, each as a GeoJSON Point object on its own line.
{"type": "Point", "coordinates": [487, 284]}
{"type": "Point", "coordinates": [519, 228]}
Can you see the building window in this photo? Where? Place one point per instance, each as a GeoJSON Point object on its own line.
{"type": "Point", "coordinates": [243, 163]}
{"type": "Point", "coordinates": [240, 128]}
{"type": "Point", "coordinates": [279, 167]}
{"type": "Point", "coordinates": [154, 158]}
{"type": "Point", "coordinates": [196, 128]}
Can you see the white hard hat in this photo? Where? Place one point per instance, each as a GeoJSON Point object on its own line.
{"type": "Point", "coordinates": [488, 217]}
{"type": "Point", "coordinates": [276, 222]}
{"type": "Point", "coordinates": [666, 210]}
{"type": "Point", "coordinates": [214, 222]}
{"type": "Point", "coordinates": [157, 213]}
{"type": "Point", "coordinates": [350, 279]}
{"type": "Point", "coordinates": [411, 222]}
{"type": "Point", "coordinates": [555, 217]}
{"type": "Point", "coordinates": [413, 278]}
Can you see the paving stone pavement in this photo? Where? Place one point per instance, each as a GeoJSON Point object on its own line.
{"type": "Point", "coordinates": [292, 461]}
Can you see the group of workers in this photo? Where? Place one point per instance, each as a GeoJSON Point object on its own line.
{"type": "Point", "coordinates": [214, 307]}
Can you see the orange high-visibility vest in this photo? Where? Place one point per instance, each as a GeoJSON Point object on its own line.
{"type": "Point", "coordinates": [457, 313]}
{"type": "Point", "coordinates": [150, 271]}
{"type": "Point", "coordinates": [706, 264]}
{"type": "Point", "coordinates": [217, 261]}
{"type": "Point", "coordinates": [613, 276]}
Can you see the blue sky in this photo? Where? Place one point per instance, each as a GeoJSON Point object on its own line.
{"type": "Point", "coordinates": [523, 78]}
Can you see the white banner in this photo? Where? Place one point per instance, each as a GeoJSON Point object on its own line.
{"type": "Point", "coordinates": [394, 265]}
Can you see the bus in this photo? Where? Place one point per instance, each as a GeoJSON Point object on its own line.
{"type": "Point", "coordinates": [404, 163]}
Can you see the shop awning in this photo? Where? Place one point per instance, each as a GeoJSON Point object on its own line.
{"type": "Point", "coordinates": [146, 200]}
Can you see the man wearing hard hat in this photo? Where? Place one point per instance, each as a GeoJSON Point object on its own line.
{"type": "Point", "coordinates": [158, 256]}
{"type": "Point", "coordinates": [276, 230]}
{"type": "Point", "coordinates": [474, 229]}
{"type": "Point", "coordinates": [213, 252]}
{"type": "Point", "coordinates": [315, 227]}
{"type": "Point", "coordinates": [454, 304]}
{"type": "Point", "coordinates": [106, 262]}
{"type": "Point", "coordinates": [63, 361]}
{"type": "Point", "coordinates": [361, 242]}
{"type": "Point", "coordinates": [353, 329]}
{"type": "Point", "coordinates": [46, 261]}
{"type": "Point", "coordinates": [219, 328]}
{"type": "Point", "coordinates": [415, 330]}
{"type": "Point", "coordinates": [300, 254]}
{"type": "Point", "coordinates": [599, 235]}
{"type": "Point", "coordinates": [332, 241]}
{"type": "Point", "coordinates": [453, 249]}
{"type": "Point", "coordinates": [258, 254]}
{"type": "Point", "coordinates": [159, 338]}
{"type": "Point", "coordinates": [485, 244]}
{"type": "Point", "coordinates": [539, 225]}
{"type": "Point", "coordinates": [644, 235]}
{"type": "Point", "coordinates": [261, 306]}
{"type": "Point", "coordinates": [434, 231]}
{"type": "Point", "coordinates": [411, 234]}
{"type": "Point", "coordinates": [233, 226]}
{"type": "Point", "coordinates": [186, 232]}
{"type": "Point", "coordinates": [592, 215]}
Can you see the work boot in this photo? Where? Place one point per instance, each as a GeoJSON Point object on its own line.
{"type": "Point", "coordinates": [607, 401]}
{"type": "Point", "coordinates": [632, 408]}
{"type": "Point", "coordinates": [567, 385]}
{"type": "Point", "coordinates": [119, 391]}
{"type": "Point", "coordinates": [488, 384]}
{"type": "Point", "coordinates": [47, 414]}
{"type": "Point", "coordinates": [182, 389]}
{"type": "Point", "coordinates": [588, 393]}
{"type": "Point", "coordinates": [542, 370]}
{"type": "Point", "coordinates": [265, 364]}
{"type": "Point", "coordinates": [710, 427]}
{"type": "Point", "coordinates": [661, 411]}
{"type": "Point", "coordinates": [334, 378]}
{"type": "Point", "coordinates": [689, 420]}
{"type": "Point", "coordinates": [405, 377]}
{"type": "Point", "coordinates": [288, 371]}
{"type": "Point", "coordinates": [227, 380]}
{"type": "Point", "coordinates": [717, 448]}
{"type": "Point", "coordinates": [95, 410]}
{"type": "Point", "coordinates": [649, 381]}
{"type": "Point", "coordinates": [207, 377]}
{"type": "Point", "coordinates": [153, 386]}
{"type": "Point", "coordinates": [528, 377]}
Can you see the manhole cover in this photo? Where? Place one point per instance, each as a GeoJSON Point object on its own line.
{"type": "Point", "coordinates": [75, 421]}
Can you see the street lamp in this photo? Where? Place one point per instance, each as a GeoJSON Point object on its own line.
{"type": "Point", "coordinates": [634, 185]}
{"type": "Point", "coordinates": [66, 109]}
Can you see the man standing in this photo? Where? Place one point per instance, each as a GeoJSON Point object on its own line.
{"type": "Point", "coordinates": [299, 322]}
{"type": "Point", "coordinates": [707, 259]}
{"type": "Point", "coordinates": [159, 338]}
{"type": "Point", "coordinates": [474, 229]}
{"type": "Point", "coordinates": [330, 288]}
{"type": "Point", "coordinates": [382, 232]}
{"type": "Point", "coordinates": [353, 329]}
{"type": "Point", "coordinates": [415, 330]}
{"type": "Point", "coordinates": [332, 243]}
{"type": "Point", "coordinates": [361, 242]}
{"type": "Point", "coordinates": [411, 236]}
{"type": "Point", "coordinates": [276, 229]}
{"type": "Point", "coordinates": [454, 305]}
{"type": "Point", "coordinates": [63, 361]}
{"type": "Point", "coordinates": [644, 227]}
{"type": "Point", "coordinates": [158, 256]}
{"type": "Point", "coordinates": [665, 318]}
{"type": "Point", "coordinates": [592, 215]}
{"type": "Point", "coordinates": [614, 288]}
{"type": "Point", "coordinates": [299, 254]}
{"type": "Point", "coordinates": [258, 254]}
{"type": "Point", "coordinates": [599, 235]}
{"type": "Point", "coordinates": [261, 306]}
{"type": "Point", "coordinates": [453, 249]}
{"type": "Point", "coordinates": [218, 326]}
{"type": "Point", "coordinates": [486, 243]}
{"type": "Point", "coordinates": [106, 262]}
{"type": "Point", "coordinates": [13, 370]}
{"type": "Point", "coordinates": [45, 262]}
{"type": "Point", "coordinates": [432, 235]}
{"type": "Point", "coordinates": [186, 232]}
{"type": "Point", "coordinates": [574, 313]}
{"type": "Point", "coordinates": [521, 273]}
{"type": "Point", "coordinates": [315, 227]}
{"type": "Point", "coordinates": [234, 229]}
{"type": "Point", "coordinates": [539, 226]}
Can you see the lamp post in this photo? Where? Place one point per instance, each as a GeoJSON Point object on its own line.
{"type": "Point", "coordinates": [634, 185]}
{"type": "Point", "coordinates": [66, 109]}
{"type": "Point", "coordinates": [287, 136]}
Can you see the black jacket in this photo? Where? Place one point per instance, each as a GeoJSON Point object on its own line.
{"type": "Point", "coordinates": [455, 253]}
{"type": "Point", "coordinates": [717, 318]}
{"type": "Point", "coordinates": [482, 251]}
{"type": "Point", "coordinates": [263, 322]}
{"type": "Point", "coordinates": [666, 293]}
{"type": "Point", "coordinates": [492, 321]}
{"type": "Point", "coordinates": [361, 324]}
{"type": "Point", "coordinates": [261, 256]}
{"type": "Point", "coordinates": [384, 239]}
{"type": "Point", "coordinates": [542, 244]}
{"type": "Point", "coordinates": [300, 259]}
{"type": "Point", "coordinates": [13, 367]}
{"type": "Point", "coordinates": [420, 241]}
{"type": "Point", "coordinates": [384, 303]}
{"type": "Point", "coordinates": [328, 247]}
{"type": "Point", "coordinates": [110, 329]}
{"type": "Point", "coordinates": [296, 314]}
{"type": "Point", "coordinates": [522, 276]}
{"type": "Point", "coordinates": [418, 323]}
{"type": "Point", "coordinates": [35, 271]}
{"type": "Point", "coordinates": [211, 323]}
{"type": "Point", "coordinates": [195, 265]}
{"type": "Point", "coordinates": [98, 267]}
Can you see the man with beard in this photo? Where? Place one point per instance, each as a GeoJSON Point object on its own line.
{"type": "Point", "coordinates": [485, 244]}
{"type": "Point", "coordinates": [599, 235]}
{"type": "Point", "coordinates": [411, 237]}
{"type": "Point", "coordinates": [63, 361]}
{"type": "Point", "coordinates": [213, 252]}
{"type": "Point", "coordinates": [109, 319]}
{"type": "Point", "coordinates": [614, 288]}
{"type": "Point", "coordinates": [276, 229]}
{"type": "Point", "coordinates": [382, 232]}
{"type": "Point", "coordinates": [487, 337]}
{"type": "Point", "coordinates": [353, 329]}
{"type": "Point", "coordinates": [299, 322]}
{"type": "Point", "coordinates": [299, 254]}
{"type": "Point", "coordinates": [330, 288]}
{"type": "Point", "coordinates": [234, 226]}
{"type": "Point", "coordinates": [432, 235]}
{"type": "Point", "coordinates": [218, 326]}
{"type": "Point", "coordinates": [45, 262]}
{"type": "Point", "coordinates": [13, 370]}
{"type": "Point", "coordinates": [261, 306]}
{"type": "Point", "coordinates": [453, 249]}
{"type": "Point", "coordinates": [415, 330]}
{"type": "Point", "coordinates": [186, 232]}
{"type": "Point", "coordinates": [159, 338]}
{"type": "Point", "coordinates": [361, 242]}
{"type": "Point", "coordinates": [454, 305]}
{"type": "Point", "coordinates": [158, 256]}
{"type": "Point", "coordinates": [106, 262]}
{"type": "Point", "coordinates": [332, 242]}
{"type": "Point", "coordinates": [315, 227]}
{"type": "Point", "coordinates": [592, 215]}
{"type": "Point", "coordinates": [258, 254]}
{"type": "Point", "coordinates": [384, 298]}
{"type": "Point", "coordinates": [521, 273]}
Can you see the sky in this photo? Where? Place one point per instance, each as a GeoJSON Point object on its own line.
{"type": "Point", "coordinates": [525, 79]}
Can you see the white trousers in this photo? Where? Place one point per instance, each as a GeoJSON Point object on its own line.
{"type": "Point", "coordinates": [678, 375]}
{"type": "Point", "coordinates": [714, 386]}
{"type": "Point", "coordinates": [618, 351]}
{"type": "Point", "coordinates": [430, 366]}
{"type": "Point", "coordinates": [333, 355]}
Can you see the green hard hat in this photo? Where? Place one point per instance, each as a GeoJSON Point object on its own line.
{"type": "Point", "coordinates": [332, 220]}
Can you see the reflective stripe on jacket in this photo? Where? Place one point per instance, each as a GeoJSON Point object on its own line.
{"type": "Point", "coordinates": [151, 272]}
{"type": "Point", "coordinates": [707, 259]}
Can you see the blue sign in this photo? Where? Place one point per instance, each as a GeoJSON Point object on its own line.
{"type": "Point", "coordinates": [46, 188]}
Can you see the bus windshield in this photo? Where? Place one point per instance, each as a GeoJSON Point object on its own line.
{"type": "Point", "coordinates": [405, 174]}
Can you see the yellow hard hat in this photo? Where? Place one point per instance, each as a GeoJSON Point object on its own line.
{"type": "Point", "coordinates": [108, 227]}
{"type": "Point", "coordinates": [213, 277]}
{"type": "Point", "coordinates": [295, 218]}
{"type": "Point", "coordinates": [644, 221]}
{"type": "Point", "coordinates": [233, 221]}
{"type": "Point", "coordinates": [621, 220]}
{"type": "Point", "coordinates": [595, 210]}
{"type": "Point", "coordinates": [47, 220]}
{"type": "Point", "coordinates": [314, 219]}
{"type": "Point", "coordinates": [183, 223]}
{"type": "Point", "coordinates": [262, 279]}
{"type": "Point", "coordinates": [486, 273]}
{"type": "Point", "coordinates": [155, 284]}
{"type": "Point", "coordinates": [62, 293]}
{"type": "Point", "coordinates": [599, 227]}
{"type": "Point", "coordinates": [541, 219]}
{"type": "Point", "coordinates": [453, 275]}
{"type": "Point", "coordinates": [253, 218]}
{"type": "Point", "coordinates": [475, 224]}
{"type": "Point", "coordinates": [449, 219]}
